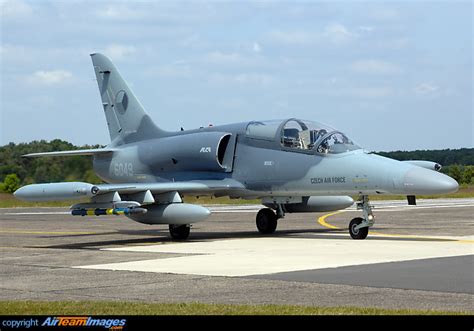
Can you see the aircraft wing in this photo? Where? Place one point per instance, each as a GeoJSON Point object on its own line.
{"type": "Point", "coordinates": [80, 190]}
{"type": "Point", "coordinates": [189, 187]}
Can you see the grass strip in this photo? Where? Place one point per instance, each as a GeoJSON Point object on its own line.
{"type": "Point", "coordinates": [137, 308]}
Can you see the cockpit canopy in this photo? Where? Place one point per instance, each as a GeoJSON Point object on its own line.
{"type": "Point", "coordinates": [301, 135]}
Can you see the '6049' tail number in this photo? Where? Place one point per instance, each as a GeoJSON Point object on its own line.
{"type": "Point", "coordinates": [123, 169]}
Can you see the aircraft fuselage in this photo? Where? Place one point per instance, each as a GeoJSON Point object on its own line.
{"type": "Point", "coordinates": [264, 167]}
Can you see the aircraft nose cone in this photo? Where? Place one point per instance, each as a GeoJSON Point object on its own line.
{"type": "Point", "coordinates": [423, 181]}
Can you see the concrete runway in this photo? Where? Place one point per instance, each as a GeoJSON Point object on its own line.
{"type": "Point", "coordinates": [419, 257]}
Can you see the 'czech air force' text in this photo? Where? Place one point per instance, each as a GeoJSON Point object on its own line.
{"type": "Point", "coordinates": [328, 180]}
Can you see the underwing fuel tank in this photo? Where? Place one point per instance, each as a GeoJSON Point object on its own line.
{"type": "Point", "coordinates": [55, 191]}
{"type": "Point", "coordinates": [320, 204]}
{"type": "Point", "coordinates": [173, 213]}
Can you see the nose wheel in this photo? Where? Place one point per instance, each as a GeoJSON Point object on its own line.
{"type": "Point", "coordinates": [359, 226]}
{"type": "Point", "coordinates": [357, 232]}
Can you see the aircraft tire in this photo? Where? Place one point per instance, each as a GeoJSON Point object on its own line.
{"type": "Point", "coordinates": [266, 221]}
{"type": "Point", "coordinates": [179, 232]}
{"type": "Point", "coordinates": [360, 233]}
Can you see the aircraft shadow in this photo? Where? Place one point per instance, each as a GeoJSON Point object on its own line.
{"type": "Point", "coordinates": [162, 237]}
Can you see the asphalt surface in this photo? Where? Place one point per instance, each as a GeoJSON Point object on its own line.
{"type": "Point", "coordinates": [418, 258]}
{"type": "Point", "coordinates": [452, 274]}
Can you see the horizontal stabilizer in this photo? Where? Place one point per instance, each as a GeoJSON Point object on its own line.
{"type": "Point", "coordinates": [72, 153]}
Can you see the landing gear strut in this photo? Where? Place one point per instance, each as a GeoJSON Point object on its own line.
{"type": "Point", "coordinates": [267, 220]}
{"type": "Point", "coordinates": [179, 232]}
{"type": "Point", "coordinates": [359, 226]}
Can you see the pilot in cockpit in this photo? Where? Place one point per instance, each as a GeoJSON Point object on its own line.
{"type": "Point", "coordinates": [318, 134]}
{"type": "Point", "coordinates": [323, 146]}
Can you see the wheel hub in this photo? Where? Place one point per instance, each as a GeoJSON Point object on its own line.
{"type": "Point", "coordinates": [355, 229]}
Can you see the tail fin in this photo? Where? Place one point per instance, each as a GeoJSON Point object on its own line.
{"type": "Point", "coordinates": [126, 119]}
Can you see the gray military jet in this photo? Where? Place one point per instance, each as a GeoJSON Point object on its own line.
{"type": "Point", "coordinates": [292, 165]}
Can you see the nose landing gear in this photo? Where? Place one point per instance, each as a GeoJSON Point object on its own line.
{"type": "Point", "coordinates": [359, 226]}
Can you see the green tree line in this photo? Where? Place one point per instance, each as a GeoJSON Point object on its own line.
{"type": "Point", "coordinates": [457, 163]}
{"type": "Point", "coordinates": [445, 157]}
{"type": "Point", "coordinates": [16, 171]}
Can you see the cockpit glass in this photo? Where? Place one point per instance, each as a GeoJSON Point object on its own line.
{"type": "Point", "coordinates": [312, 136]}
{"type": "Point", "coordinates": [335, 143]}
{"type": "Point", "coordinates": [263, 129]}
{"type": "Point", "coordinates": [301, 135]}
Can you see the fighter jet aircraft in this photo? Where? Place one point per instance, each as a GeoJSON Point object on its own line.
{"type": "Point", "coordinates": [292, 165]}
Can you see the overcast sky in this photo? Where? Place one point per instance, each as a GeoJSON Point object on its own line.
{"type": "Point", "coordinates": [392, 75]}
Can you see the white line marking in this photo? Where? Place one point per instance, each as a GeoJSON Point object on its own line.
{"type": "Point", "coordinates": [399, 208]}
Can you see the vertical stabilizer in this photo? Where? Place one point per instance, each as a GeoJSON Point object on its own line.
{"type": "Point", "coordinates": [126, 119]}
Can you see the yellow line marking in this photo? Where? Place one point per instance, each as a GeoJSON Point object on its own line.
{"type": "Point", "coordinates": [420, 237]}
{"type": "Point", "coordinates": [45, 232]}
{"type": "Point", "coordinates": [322, 221]}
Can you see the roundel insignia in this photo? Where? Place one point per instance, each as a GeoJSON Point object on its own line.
{"type": "Point", "coordinates": [94, 190]}
{"type": "Point", "coordinates": [121, 102]}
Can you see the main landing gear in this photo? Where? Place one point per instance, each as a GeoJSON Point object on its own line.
{"type": "Point", "coordinates": [179, 232]}
{"type": "Point", "coordinates": [359, 226]}
{"type": "Point", "coordinates": [267, 219]}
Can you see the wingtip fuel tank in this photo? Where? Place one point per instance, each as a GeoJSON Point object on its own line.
{"type": "Point", "coordinates": [55, 191]}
